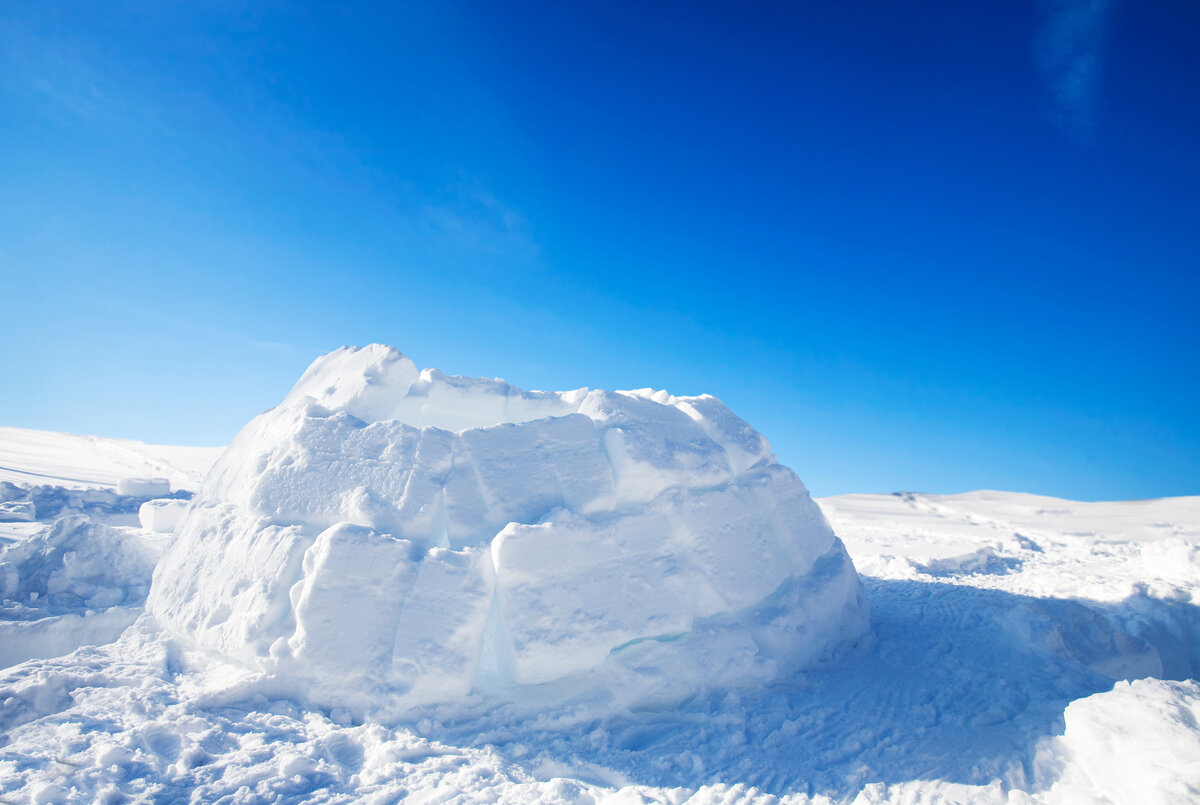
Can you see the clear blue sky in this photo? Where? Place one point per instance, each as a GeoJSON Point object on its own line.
{"type": "Point", "coordinates": [920, 245]}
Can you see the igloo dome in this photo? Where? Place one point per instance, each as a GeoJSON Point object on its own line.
{"type": "Point", "coordinates": [389, 537]}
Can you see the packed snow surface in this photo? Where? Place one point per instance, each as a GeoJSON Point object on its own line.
{"type": "Point", "coordinates": [388, 537]}
{"type": "Point", "coordinates": [1022, 649]}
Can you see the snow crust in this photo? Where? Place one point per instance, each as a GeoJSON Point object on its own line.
{"type": "Point", "coordinates": [389, 534]}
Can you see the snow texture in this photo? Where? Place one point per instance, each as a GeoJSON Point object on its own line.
{"type": "Point", "coordinates": [18, 511]}
{"type": "Point", "coordinates": [388, 537]}
{"type": "Point", "coordinates": [75, 582]}
{"type": "Point", "coordinates": [1003, 629]}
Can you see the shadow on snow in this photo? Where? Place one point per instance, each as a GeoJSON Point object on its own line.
{"type": "Point", "coordinates": [960, 685]}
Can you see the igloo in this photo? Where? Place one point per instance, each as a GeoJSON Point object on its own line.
{"type": "Point", "coordinates": [388, 537]}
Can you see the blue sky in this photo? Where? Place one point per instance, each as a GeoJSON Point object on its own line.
{"type": "Point", "coordinates": [920, 245]}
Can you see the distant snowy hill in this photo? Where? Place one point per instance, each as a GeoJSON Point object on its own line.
{"type": "Point", "coordinates": [1025, 543]}
{"type": "Point", "coordinates": [35, 457]}
{"type": "Point", "coordinates": [931, 520]}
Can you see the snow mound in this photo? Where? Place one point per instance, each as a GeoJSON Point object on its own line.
{"type": "Point", "coordinates": [1135, 743]}
{"type": "Point", "coordinates": [18, 511]}
{"type": "Point", "coordinates": [76, 563]}
{"type": "Point", "coordinates": [73, 583]}
{"type": "Point", "coordinates": [393, 534]}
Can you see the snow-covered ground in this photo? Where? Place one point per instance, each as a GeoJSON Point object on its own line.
{"type": "Point", "coordinates": [33, 457]}
{"type": "Point", "coordinates": [1001, 627]}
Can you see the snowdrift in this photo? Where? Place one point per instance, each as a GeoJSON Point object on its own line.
{"type": "Point", "coordinates": [76, 582]}
{"type": "Point", "coordinates": [389, 534]}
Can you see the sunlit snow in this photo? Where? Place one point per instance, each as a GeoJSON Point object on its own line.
{"type": "Point", "coordinates": [404, 586]}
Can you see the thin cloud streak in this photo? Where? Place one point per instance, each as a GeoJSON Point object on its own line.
{"type": "Point", "coordinates": [201, 330]}
{"type": "Point", "coordinates": [1069, 55]}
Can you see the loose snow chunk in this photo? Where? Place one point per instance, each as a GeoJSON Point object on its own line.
{"type": "Point", "coordinates": [348, 605]}
{"type": "Point", "coordinates": [571, 590]}
{"type": "Point", "coordinates": [376, 383]}
{"type": "Point", "coordinates": [162, 516]}
{"type": "Point", "coordinates": [18, 511]}
{"type": "Point", "coordinates": [364, 382]}
{"type": "Point", "coordinates": [75, 564]}
{"type": "Point", "coordinates": [144, 487]}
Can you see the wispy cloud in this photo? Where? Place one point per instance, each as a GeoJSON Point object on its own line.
{"type": "Point", "coordinates": [469, 216]}
{"type": "Point", "coordinates": [1069, 54]}
{"type": "Point", "coordinates": [66, 82]}
{"type": "Point", "coordinates": [182, 328]}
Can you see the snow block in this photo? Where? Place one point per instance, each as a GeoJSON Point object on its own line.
{"type": "Point", "coordinates": [348, 602]}
{"type": "Point", "coordinates": [144, 487]}
{"type": "Point", "coordinates": [394, 537]}
{"type": "Point", "coordinates": [571, 590]}
{"type": "Point", "coordinates": [162, 516]}
{"type": "Point", "coordinates": [439, 635]}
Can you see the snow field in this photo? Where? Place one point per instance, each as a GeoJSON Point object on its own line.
{"type": "Point", "coordinates": [1001, 628]}
{"type": "Point", "coordinates": [47, 458]}
{"type": "Point", "coordinates": [118, 724]}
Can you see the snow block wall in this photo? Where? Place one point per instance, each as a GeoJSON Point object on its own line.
{"type": "Point", "coordinates": [389, 532]}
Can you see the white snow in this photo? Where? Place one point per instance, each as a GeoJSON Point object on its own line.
{"type": "Point", "coordinates": [559, 533]}
{"type": "Point", "coordinates": [73, 583]}
{"type": "Point", "coordinates": [33, 457]}
{"type": "Point", "coordinates": [18, 511]}
{"type": "Point", "coordinates": [1002, 625]}
{"type": "Point", "coordinates": [144, 487]}
{"type": "Point", "coordinates": [1135, 743]}
{"type": "Point", "coordinates": [162, 516]}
